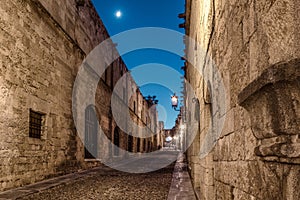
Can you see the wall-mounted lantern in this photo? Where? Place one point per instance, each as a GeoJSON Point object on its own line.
{"type": "Point", "coordinates": [174, 101]}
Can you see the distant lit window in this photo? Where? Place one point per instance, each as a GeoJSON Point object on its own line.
{"type": "Point", "coordinates": [35, 124]}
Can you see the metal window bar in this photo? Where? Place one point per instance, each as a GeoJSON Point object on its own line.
{"type": "Point", "coordinates": [35, 124]}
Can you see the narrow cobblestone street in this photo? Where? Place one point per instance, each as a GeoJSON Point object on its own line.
{"type": "Point", "coordinates": [171, 182]}
{"type": "Point", "coordinates": [150, 100]}
{"type": "Point", "coordinates": [112, 185]}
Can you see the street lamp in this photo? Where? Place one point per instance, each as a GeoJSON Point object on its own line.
{"type": "Point", "coordinates": [174, 100]}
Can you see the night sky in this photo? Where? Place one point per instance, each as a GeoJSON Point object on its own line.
{"type": "Point", "coordinates": [146, 13]}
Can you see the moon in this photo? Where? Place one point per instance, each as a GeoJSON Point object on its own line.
{"type": "Point", "coordinates": [118, 14]}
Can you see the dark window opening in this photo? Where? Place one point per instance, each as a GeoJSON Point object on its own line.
{"type": "Point", "coordinates": [138, 144]}
{"type": "Point", "coordinates": [149, 149]}
{"type": "Point", "coordinates": [144, 145]}
{"type": "Point", "coordinates": [130, 143]}
{"type": "Point", "coordinates": [116, 141]}
{"type": "Point", "coordinates": [35, 124]}
{"type": "Point", "coordinates": [105, 77]}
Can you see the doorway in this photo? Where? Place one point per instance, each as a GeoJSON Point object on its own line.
{"type": "Point", "coordinates": [91, 133]}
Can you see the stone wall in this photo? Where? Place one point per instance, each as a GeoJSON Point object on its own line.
{"type": "Point", "coordinates": [43, 44]}
{"type": "Point", "coordinates": [38, 66]}
{"type": "Point", "coordinates": [253, 44]}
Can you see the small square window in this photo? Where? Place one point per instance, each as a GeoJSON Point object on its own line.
{"type": "Point", "coordinates": [35, 124]}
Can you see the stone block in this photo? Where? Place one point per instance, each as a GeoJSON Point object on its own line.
{"type": "Point", "coordinates": [240, 195]}
{"type": "Point", "coordinates": [223, 191]}
{"type": "Point", "coordinates": [278, 25]}
{"type": "Point", "coordinates": [222, 149]}
{"type": "Point", "coordinates": [250, 144]}
{"type": "Point", "coordinates": [236, 146]}
{"type": "Point", "coordinates": [292, 184]}
{"type": "Point", "coordinates": [206, 192]}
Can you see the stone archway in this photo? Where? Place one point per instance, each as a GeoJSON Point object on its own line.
{"type": "Point", "coordinates": [90, 133]}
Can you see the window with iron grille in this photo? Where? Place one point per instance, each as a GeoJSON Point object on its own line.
{"type": "Point", "coordinates": [35, 124]}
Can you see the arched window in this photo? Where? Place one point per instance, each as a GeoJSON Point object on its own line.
{"type": "Point", "coordinates": [149, 149]}
{"type": "Point", "coordinates": [91, 133]}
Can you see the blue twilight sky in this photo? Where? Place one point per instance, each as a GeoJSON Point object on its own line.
{"type": "Point", "coordinates": [146, 13]}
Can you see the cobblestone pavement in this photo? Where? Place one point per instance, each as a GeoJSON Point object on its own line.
{"type": "Point", "coordinates": [106, 183]}
{"type": "Point", "coordinates": [113, 185]}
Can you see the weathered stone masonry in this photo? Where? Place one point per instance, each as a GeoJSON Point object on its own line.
{"type": "Point", "coordinates": [43, 43]}
{"type": "Point", "coordinates": [255, 45]}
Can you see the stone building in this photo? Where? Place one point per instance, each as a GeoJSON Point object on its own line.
{"type": "Point", "coordinates": [254, 45]}
{"type": "Point", "coordinates": [43, 45]}
{"type": "Point", "coordinates": [162, 137]}
{"type": "Point", "coordinates": [177, 133]}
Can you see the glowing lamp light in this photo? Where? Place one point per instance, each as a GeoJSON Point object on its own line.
{"type": "Point", "coordinates": [174, 101]}
{"type": "Point", "coordinates": [168, 139]}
